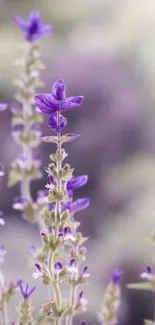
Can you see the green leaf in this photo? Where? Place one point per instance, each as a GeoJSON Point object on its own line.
{"type": "Point", "coordinates": [51, 139]}
{"type": "Point", "coordinates": [68, 137]}
{"type": "Point", "coordinates": [142, 286]}
{"type": "Point", "coordinates": [13, 178]}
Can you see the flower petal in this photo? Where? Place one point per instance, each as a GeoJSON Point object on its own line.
{"type": "Point", "coordinates": [76, 182]}
{"type": "Point", "coordinates": [53, 123]}
{"type": "Point", "coordinates": [79, 205]}
{"type": "Point", "coordinates": [59, 90]}
{"type": "Point", "coordinates": [23, 24]}
{"type": "Point", "coordinates": [3, 106]}
{"type": "Point", "coordinates": [34, 16]}
{"type": "Point", "coordinates": [46, 30]}
{"type": "Point", "coordinates": [46, 103]}
{"type": "Point", "coordinates": [71, 102]}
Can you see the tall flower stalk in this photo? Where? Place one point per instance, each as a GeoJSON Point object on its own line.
{"type": "Point", "coordinates": [26, 119]}
{"type": "Point", "coordinates": [111, 301]}
{"type": "Point", "coordinates": [60, 264]}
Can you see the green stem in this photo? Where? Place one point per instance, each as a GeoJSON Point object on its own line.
{"type": "Point", "coordinates": [4, 320]}
{"type": "Point", "coordinates": [55, 280]}
{"type": "Point", "coordinates": [3, 311]}
{"type": "Point", "coordinates": [73, 297]}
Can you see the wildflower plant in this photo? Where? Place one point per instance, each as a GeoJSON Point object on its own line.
{"type": "Point", "coordinates": [63, 238]}
{"type": "Point", "coordinates": [26, 120]}
{"type": "Point", "coordinates": [61, 259]}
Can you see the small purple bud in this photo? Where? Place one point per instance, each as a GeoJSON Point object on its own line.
{"type": "Point", "coordinates": [17, 128]}
{"type": "Point", "coordinates": [148, 269]}
{"type": "Point", "coordinates": [43, 233]}
{"type": "Point", "coordinates": [83, 250]}
{"type": "Point", "coordinates": [116, 276]}
{"type": "Point", "coordinates": [55, 125]}
{"type": "Point", "coordinates": [66, 230]}
{"type": "Point", "coordinates": [85, 269]}
{"type": "Point", "coordinates": [1, 170]}
{"type": "Point", "coordinates": [58, 90]}
{"type": "Point", "coordinates": [72, 261]}
{"type": "Point", "coordinates": [83, 322]}
{"type": "Point", "coordinates": [58, 266]}
{"type": "Point", "coordinates": [38, 266]}
{"type": "Point", "coordinates": [80, 295]}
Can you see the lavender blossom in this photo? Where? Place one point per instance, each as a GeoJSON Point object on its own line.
{"type": "Point", "coordinates": [62, 208]}
{"type": "Point", "coordinates": [3, 106]}
{"type": "Point", "coordinates": [33, 28]}
{"type": "Point", "coordinates": [26, 119]}
{"type": "Point", "coordinates": [116, 276]}
{"type": "Point", "coordinates": [111, 301]}
{"type": "Point", "coordinates": [25, 291]}
{"type": "Point", "coordinates": [50, 103]}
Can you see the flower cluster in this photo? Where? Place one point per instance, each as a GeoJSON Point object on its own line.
{"type": "Point", "coordinates": [26, 118]}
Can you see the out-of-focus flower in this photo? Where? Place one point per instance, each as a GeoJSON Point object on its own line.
{"type": "Point", "coordinates": [19, 203]}
{"type": "Point", "coordinates": [3, 106]}
{"type": "Point", "coordinates": [25, 291]}
{"type": "Point", "coordinates": [116, 276]}
{"type": "Point", "coordinates": [33, 28]}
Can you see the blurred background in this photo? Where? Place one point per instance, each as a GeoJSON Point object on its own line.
{"type": "Point", "coordinates": [105, 50]}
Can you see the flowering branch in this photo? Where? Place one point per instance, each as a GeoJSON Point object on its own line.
{"type": "Point", "coordinates": [60, 214]}
{"type": "Point", "coordinates": [26, 118]}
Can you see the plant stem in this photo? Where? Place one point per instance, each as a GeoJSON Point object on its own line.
{"type": "Point", "coordinates": [55, 279]}
{"type": "Point", "coordinates": [4, 320]}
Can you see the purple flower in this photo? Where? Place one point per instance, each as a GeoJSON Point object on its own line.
{"type": "Point", "coordinates": [34, 251]}
{"type": "Point", "coordinates": [17, 128]}
{"type": "Point", "coordinates": [79, 205]}
{"type": "Point", "coordinates": [58, 267]}
{"type": "Point", "coordinates": [74, 206]}
{"type": "Point", "coordinates": [33, 28]}
{"type": "Point", "coordinates": [148, 274]}
{"type": "Point", "coordinates": [42, 197]}
{"type": "Point", "coordinates": [26, 292]}
{"type": "Point", "coordinates": [84, 273]}
{"type": "Point", "coordinates": [116, 276]}
{"type": "Point", "coordinates": [53, 123]}
{"type": "Point", "coordinates": [3, 107]}
{"type": "Point", "coordinates": [72, 261]}
{"type": "Point", "coordinates": [38, 266]}
{"type": "Point", "coordinates": [148, 269]}
{"type": "Point", "coordinates": [19, 203]}
{"type": "Point", "coordinates": [82, 301]}
{"type": "Point", "coordinates": [1, 170]}
{"type": "Point", "coordinates": [75, 183]}
{"type": "Point", "coordinates": [83, 322]}
{"type": "Point", "coordinates": [49, 103]}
